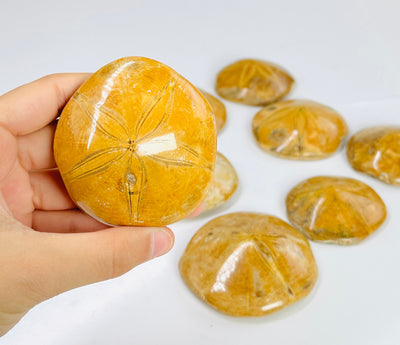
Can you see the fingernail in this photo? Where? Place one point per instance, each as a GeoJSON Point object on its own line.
{"type": "Point", "coordinates": [162, 242]}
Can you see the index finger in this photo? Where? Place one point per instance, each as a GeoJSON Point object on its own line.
{"type": "Point", "coordinates": [34, 105]}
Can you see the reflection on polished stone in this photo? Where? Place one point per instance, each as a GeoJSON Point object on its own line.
{"type": "Point", "coordinates": [248, 264]}
{"type": "Point", "coordinates": [218, 108]}
{"type": "Point", "coordinates": [136, 144]}
{"type": "Point", "coordinates": [224, 183]}
{"type": "Point", "coordinates": [299, 129]}
{"type": "Point", "coordinates": [335, 209]}
{"type": "Point", "coordinates": [253, 82]}
{"type": "Point", "coordinates": [376, 151]}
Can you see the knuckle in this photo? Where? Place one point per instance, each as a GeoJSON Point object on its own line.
{"type": "Point", "coordinates": [54, 81]}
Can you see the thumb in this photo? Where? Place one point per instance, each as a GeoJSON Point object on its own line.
{"type": "Point", "coordinates": [73, 260]}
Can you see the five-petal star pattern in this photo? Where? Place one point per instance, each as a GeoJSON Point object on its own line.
{"type": "Point", "coordinates": [131, 144]}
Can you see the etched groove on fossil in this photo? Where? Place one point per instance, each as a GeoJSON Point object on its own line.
{"type": "Point", "coordinates": [270, 260]}
{"type": "Point", "coordinates": [86, 106]}
{"type": "Point", "coordinates": [299, 129]}
{"type": "Point", "coordinates": [116, 127]}
{"type": "Point", "coordinates": [376, 151]}
{"type": "Point", "coordinates": [248, 264]}
{"type": "Point", "coordinates": [253, 82]}
{"type": "Point", "coordinates": [83, 168]}
{"type": "Point", "coordinates": [170, 161]}
{"type": "Point", "coordinates": [128, 191]}
{"type": "Point", "coordinates": [147, 112]}
{"type": "Point", "coordinates": [224, 183]}
{"type": "Point", "coordinates": [335, 209]}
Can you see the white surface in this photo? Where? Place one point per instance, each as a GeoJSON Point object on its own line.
{"type": "Point", "coordinates": [344, 53]}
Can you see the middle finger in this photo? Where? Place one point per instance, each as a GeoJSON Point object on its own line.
{"type": "Point", "coordinates": [49, 192]}
{"type": "Point", "coordinates": [35, 150]}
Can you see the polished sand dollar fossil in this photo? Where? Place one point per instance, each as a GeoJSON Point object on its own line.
{"type": "Point", "coordinates": [218, 108]}
{"type": "Point", "coordinates": [376, 151]}
{"type": "Point", "coordinates": [136, 144]}
{"type": "Point", "coordinates": [335, 209]}
{"type": "Point", "coordinates": [299, 129]}
{"type": "Point", "coordinates": [248, 264]}
{"type": "Point", "coordinates": [223, 185]}
{"type": "Point", "coordinates": [253, 82]}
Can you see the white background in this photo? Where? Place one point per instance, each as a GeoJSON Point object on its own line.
{"type": "Point", "coordinates": [344, 53]}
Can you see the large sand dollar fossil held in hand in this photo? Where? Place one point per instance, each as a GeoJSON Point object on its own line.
{"type": "Point", "coordinates": [299, 129]}
{"type": "Point", "coordinates": [136, 144]}
{"type": "Point", "coordinates": [253, 82]}
{"type": "Point", "coordinates": [248, 264]}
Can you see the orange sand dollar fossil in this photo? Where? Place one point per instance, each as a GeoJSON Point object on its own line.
{"type": "Point", "coordinates": [376, 152]}
{"type": "Point", "coordinates": [253, 82]}
{"type": "Point", "coordinates": [223, 185]}
{"type": "Point", "coordinates": [299, 129]}
{"type": "Point", "coordinates": [335, 209]}
{"type": "Point", "coordinates": [136, 144]}
{"type": "Point", "coordinates": [218, 108]}
{"type": "Point", "coordinates": [248, 264]}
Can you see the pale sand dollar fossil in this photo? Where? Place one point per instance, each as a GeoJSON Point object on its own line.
{"type": "Point", "coordinates": [253, 82]}
{"type": "Point", "coordinates": [299, 129]}
{"type": "Point", "coordinates": [335, 209]}
{"type": "Point", "coordinates": [223, 185]}
{"type": "Point", "coordinates": [248, 264]}
{"type": "Point", "coordinates": [218, 108]}
{"type": "Point", "coordinates": [376, 151]}
{"type": "Point", "coordinates": [136, 144]}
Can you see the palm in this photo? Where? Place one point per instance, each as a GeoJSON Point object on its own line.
{"type": "Point", "coordinates": [34, 265]}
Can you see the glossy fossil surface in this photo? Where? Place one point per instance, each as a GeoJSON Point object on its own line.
{"type": "Point", "coordinates": [253, 82]}
{"type": "Point", "coordinates": [376, 151]}
{"type": "Point", "coordinates": [223, 185]}
{"type": "Point", "coordinates": [136, 144]}
{"type": "Point", "coordinates": [335, 209]}
{"type": "Point", "coordinates": [248, 264]}
{"type": "Point", "coordinates": [218, 108]}
{"type": "Point", "coordinates": [299, 129]}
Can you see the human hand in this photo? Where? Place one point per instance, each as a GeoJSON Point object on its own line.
{"type": "Point", "coordinates": [47, 245]}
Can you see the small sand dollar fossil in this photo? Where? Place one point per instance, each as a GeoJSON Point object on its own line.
{"type": "Point", "coordinates": [253, 82]}
{"type": "Point", "coordinates": [376, 151]}
{"type": "Point", "coordinates": [223, 185]}
{"type": "Point", "coordinates": [136, 144]}
{"type": "Point", "coordinates": [299, 129]}
{"type": "Point", "coordinates": [335, 209]}
{"type": "Point", "coordinates": [248, 264]}
{"type": "Point", "coordinates": [218, 108]}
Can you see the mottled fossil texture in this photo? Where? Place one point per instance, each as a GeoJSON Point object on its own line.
{"type": "Point", "coordinates": [376, 151]}
{"type": "Point", "coordinates": [223, 185]}
{"type": "Point", "coordinates": [136, 144]}
{"type": "Point", "coordinates": [299, 129]}
{"type": "Point", "coordinates": [335, 209]}
{"type": "Point", "coordinates": [248, 264]}
{"type": "Point", "coordinates": [218, 108]}
{"type": "Point", "coordinates": [253, 82]}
